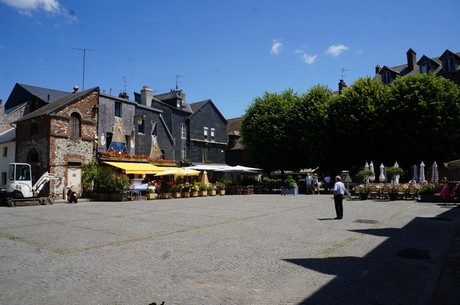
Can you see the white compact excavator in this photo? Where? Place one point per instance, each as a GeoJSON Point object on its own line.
{"type": "Point", "coordinates": [20, 191]}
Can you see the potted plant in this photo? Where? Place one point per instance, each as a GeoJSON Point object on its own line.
{"type": "Point", "coordinates": [364, 175]}
{"type": "Point", "coordinates": [211, 188]}
{"type": "Point", "coordinates": [150, 193]}
{"type": "Point", "coordinates": [392, 172]}
{"type": "Point", "coordinates": [176, 190]}
{"type": "Point", "coordinates": [427, 191]}
{"type": "Point", "coordinates": [165, 190]}
{"type": "Point", "coordinates": [194, 190]}
{"type": "Point", "coordinates": [220, 187]}
{"type": "Point", "coordinates": [185, 192]}
{"type": "Point", "coordinates": [203, 190]}
{"type": "Point", "coordinates": [290, 187]}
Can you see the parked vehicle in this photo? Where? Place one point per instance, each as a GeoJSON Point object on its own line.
{"type": "Point", "coordinates": [71, 195]}
{"type": "Point", "coordinates": [19, 189]}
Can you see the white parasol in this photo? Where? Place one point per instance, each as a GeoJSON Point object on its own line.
{"type": "Point", "coordinates": [422, 172]}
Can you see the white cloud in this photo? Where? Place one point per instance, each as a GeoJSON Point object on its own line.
{"type": "Point", "coordinates": [336, 49]}
{"type": "Point", "coordinates": [276, 47]}
{"type": "Point", "coordinates": [309, 59]}
{"type": "Point", "coordinates": [25, 6]}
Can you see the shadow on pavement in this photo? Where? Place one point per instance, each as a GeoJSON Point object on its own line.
{"type": "Point", "coordinates": [401, 270]}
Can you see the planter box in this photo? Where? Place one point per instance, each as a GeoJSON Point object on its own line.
{"type": "Point", "coordinates": [150, 196]}
{"type": "Point", "coordinates": [222, 192]}
{"type": "Point", "coordinates": [194, 194]}
{"type": "Point", "coordinates": [212, 193]}
{"type": "Point", "coordinates": [294, 191]}
{"type": "Point", "coordinates": [203, 193]}
{"type": "Point", "coordinates": [185, 194]}
{"type": "Point", "coordinates": [176, 194]}
{"type": "Point", "coordinates": [165, 195]}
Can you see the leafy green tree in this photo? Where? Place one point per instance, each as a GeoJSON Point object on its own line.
{"type": "Point", "coordinates": [266, 130]}
{"type": "Point", "coordinates": [422, 117]}
{"type": "Point", "coordinates": [356, 125]}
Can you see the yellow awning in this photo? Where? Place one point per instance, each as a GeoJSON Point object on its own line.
{"type": "Point", "coordinates": [136, 168]}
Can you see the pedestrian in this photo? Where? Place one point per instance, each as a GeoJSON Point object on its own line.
{"type": "Point", "coordinates": [339, 192]}
{"type": "Point", "coordinates": [327, 183]}
{"type": "Point", "coordinates": [315, 184]}
{"type": "Point", "coordinates": [309, 183]}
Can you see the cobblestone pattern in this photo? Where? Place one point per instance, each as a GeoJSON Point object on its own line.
{"type": "Point", "coordinates": [254, 249]}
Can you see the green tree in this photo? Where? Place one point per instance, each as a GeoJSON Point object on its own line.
{"type": "Point", "coordinates": [356, 124]}
{"type": "Point", "coordinates": [266, 129]}
{"type": "Point", "coordinates": [422, 117]}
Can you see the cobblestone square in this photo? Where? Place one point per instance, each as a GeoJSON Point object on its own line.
{"type": "Point", "coordinates": [246, 249]}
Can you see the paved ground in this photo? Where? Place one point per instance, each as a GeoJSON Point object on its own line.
{"type": "Point", "coordinates": [253, 249]}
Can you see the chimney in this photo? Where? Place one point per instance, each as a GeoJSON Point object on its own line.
{"type": "Point", "coordinates": [146, 96]}
{"type": "Point", "coordinates": [342, 86]}
{"type": "Point", "coordinates": [75, 89]}
{"type": "Point", "coordinates": [411, 59]}
{"type": "Point", "coordinates": [378, 69]}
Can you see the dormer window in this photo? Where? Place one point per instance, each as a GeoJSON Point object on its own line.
{"type": "Point", "coordinates": [386, 77]}
{"type": "Point", "coordinates": [448, 64]}
{"type": "Point", "coordinates": [425, 68]}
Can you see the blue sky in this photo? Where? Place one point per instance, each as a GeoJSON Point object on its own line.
{"type": "Point", "coordinates": [226, 51]}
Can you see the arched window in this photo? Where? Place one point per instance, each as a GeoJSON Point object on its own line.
{"type": "Point", "coordinates": [75, 126]}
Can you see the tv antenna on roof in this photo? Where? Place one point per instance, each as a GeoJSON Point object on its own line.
{"type": "Point", "coordinates": [84, 61]}
{"type": "Point", "coordinates": [124, 83]}
{"type": "Point", "coordinates": [343, 75]}
{"type": "Point", "coordinates": [177, 81]}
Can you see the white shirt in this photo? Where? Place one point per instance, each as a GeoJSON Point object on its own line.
{"type": "Point", "coordinates": [339, 188]}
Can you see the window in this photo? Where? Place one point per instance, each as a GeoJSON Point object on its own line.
{"type": "Point", "coordinates": [5, 151]}
{"type": "Point", "coordinates": [204, 154]}
{"type": "Point", "coordinates": [3, 178]}
{"type": "Point", "coordinates": [141, 127]}
{"type": "Point", "coordinates": [75, 126]}
{"type": "Point", "coordinates": [109, 140]}
{"type": "Point", "coordinates": [183, 153]}
{"type": "Point", "coordinates": [205, 133]}
{"type": "Point", "coordinates": [449, 64]}
{"type": "Point", "coordinates": [183, 131]}
{"type": "Point", "coordinates": [386, 77]}
{"type": "Point", "coordinates": [118, 109]}
{"type": "Point", "coordinates": [425, 68]}
{"type": "Point", "coordinates": [213, 131]}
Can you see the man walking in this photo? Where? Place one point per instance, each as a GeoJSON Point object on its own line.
{"type": "Point", "coordinates": [339, 192]}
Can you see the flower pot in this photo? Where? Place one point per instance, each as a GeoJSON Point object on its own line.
{"type": "Point", "coordinates": [165, 195]}
{"type": "Point", "coordinates": [212, 193]}
{"type": "Point", "coordinates": [185, 194]}
{"type": "Point", "coordinates": [150, 196]}
{"type": "Point", "coordinates": [176, 194]}
{"type": "Point", "coordinates": [203, 193]}
{"type": "Point", "coordinates": [194, 194]}
{"type": "Point", "coordinates": [222, 192]}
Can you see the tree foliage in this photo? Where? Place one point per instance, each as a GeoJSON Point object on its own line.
{"type": "Point", "coordinates": [415, 118]}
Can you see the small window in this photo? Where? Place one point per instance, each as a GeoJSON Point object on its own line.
{"type": "Point", "coordinates": [3, 178]}
{"type": "Point", "coordinates": [118, 109]}
{"type": "Point", "coordinates": [213, 131]}
{"type": "Point", "coordinates": [183, 153]}
{"type": "Point", "coordinates": [425, 68]}
{"type": "Point", "coordinates": [5, 151]}
{"type": "Point", "coordinates": [449, 64]}
{"type": "Point", "coordinates": [386, 78]}
{"type": "Point", "coordinates": [75, 126]}
{"type": "Point", "coordinates": [141, 127]}
{"type": "Point", "coordinates": [205, 133]}
{"type": "Point", "coordinates": [183, 131]}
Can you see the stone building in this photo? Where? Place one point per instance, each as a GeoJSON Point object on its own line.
{"type": "Point", "coordinates": [59, 138]}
